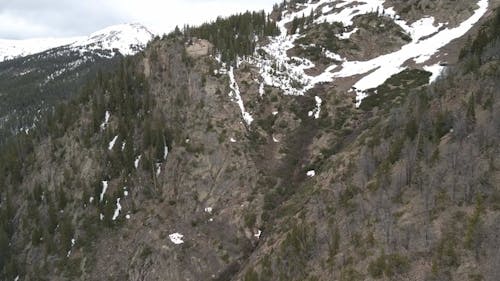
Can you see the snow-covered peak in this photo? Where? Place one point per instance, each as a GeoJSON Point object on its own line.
{"type": "Point", "coordinates": [10, 49]}
{"type": "Point", "coordinates": [128, 39]}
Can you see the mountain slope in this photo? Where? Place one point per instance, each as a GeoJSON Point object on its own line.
{"type": "Point", "coordinates": [34, 82]}
{"type": "Point", "coordinates": [182, 163]}
{"type": "Point", "coordinates": [126, 38]}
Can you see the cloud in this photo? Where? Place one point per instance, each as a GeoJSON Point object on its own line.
{"type": "Point", "coordinates": [56, 18]}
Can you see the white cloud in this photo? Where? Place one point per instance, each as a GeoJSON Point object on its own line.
{"type": "Point", "coordinates": [55, 18]}
{"type": "Point", "coordinates": [164, 16]}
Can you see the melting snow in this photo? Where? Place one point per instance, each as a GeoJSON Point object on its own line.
{"type": "Point", "coordinates": [106, 120]}
{"type": "Point", "coordinates": [112, 143]}
{"type": "Point", "coordinates": [436, 71]}
{"type": "Point", "coordinates": [118, 209]}
{"type": "Point", "coordinates": [347, 35]}
{"type": "Point", "coordinates": [288, 73]}
{"type": "Point", "coordinates": [385, 66]}
{"type": "Point", "coordinates": [73, 242]}
{"type": "Point", "coordinates": [104, 188]}
{"type": "Point", "coordinates": [158, 169]}
{"type": "Point", "coordinates": [137, 160]}
{"type": "Point", "coordinates": [236, 96]}
{"type": "Point", "coordinates": [176, 238]}
{"type": "Point", "coordinates": [317, 110]}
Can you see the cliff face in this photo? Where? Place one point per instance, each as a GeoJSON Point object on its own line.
{"type": "Point", "coordinates": [174, 167]}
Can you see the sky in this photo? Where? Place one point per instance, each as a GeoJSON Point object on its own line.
{"type": "Point", "coordinates": [22, 19]}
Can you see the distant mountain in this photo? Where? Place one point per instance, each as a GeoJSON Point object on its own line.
{"type": "Point", "coordinates": [36, 73]}
{"type": "Point", "coordinates": [127, 39]}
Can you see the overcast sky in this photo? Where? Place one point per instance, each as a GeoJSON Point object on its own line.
{"type": "Point", "coordinates": [21, 19]}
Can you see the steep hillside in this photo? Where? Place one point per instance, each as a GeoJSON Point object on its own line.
{"type": "Point", "coordinates": [210, 160]}
{"type": "Point", "coordinates": [34, 79]}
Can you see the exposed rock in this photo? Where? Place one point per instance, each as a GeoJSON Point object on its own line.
{"type": "Point", "coordinates": [199, 48]}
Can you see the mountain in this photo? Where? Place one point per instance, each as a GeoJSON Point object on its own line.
{"type": "Point", "coordinates": [127, 39]}
{"type": "Point", "coordinates": [40, 72]}
{"type": "Point", "coordinates": [324, 141]}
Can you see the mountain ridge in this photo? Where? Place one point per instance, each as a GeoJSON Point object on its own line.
{"type": "Point", "coordinates": [126, 38]}
{"type": "Point", "coordinates": [182, 163]}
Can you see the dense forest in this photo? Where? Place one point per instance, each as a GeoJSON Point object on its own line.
{"type": "Point", "coordinates": [235, 36]}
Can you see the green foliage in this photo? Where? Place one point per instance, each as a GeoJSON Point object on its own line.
{"type": "Point", "coordinates": [334, 244]}
{"type": "Point", "coordinates": [473, 53]}
{"type": "Point", "coordinates": [350, 274]}
{"type": "Point", "coordinates": [250, 219]}
{"type": "Point", "coordinates": [472, 232]}
{"type": "Point", "coordinates": [28, 97]}
{"type": "Point", "coordinates": [396, 86]}
{"type": "Point", "coordinates": [321, 35]}
{"type": "Point", "coordinates": [388, 265]}
{"type": "Point", "coordinates": [251, 275]}
{"type": "Point", "coordinates": [4, 248]}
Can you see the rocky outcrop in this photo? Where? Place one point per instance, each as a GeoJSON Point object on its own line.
{"type": "Point", "coordinates": [198, 48]}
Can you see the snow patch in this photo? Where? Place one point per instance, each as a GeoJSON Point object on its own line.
{"type": "Point", "coordinates": [316, 110]}
{"type": "Point", "coordinates": [236, 97]}
{"type": "Point", "coordinates": [176, 238]}
{"type": "Point", "coordinates": [347, 35]}
{"type": "Point", "coordinates": [436, 71]}
{"type": "Point", "coordinates": [104, 124]}
{"type": "Point", "coordinates": [73, 242]}
{"type": "Point", "coordinates": [158, 169]}
{"type": "Point", "coordinates": [288, 73]}
{"type": "Point", "coordinates": [137, 160]}
{"type": "Point", "coordinates": [112, 143]}
{"type": "Point", "coordinates": [104, 188]}
{"type": "Point", "coordinates": [117, 210]}
{"type": "Point", "coordinates": [383, 67]}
